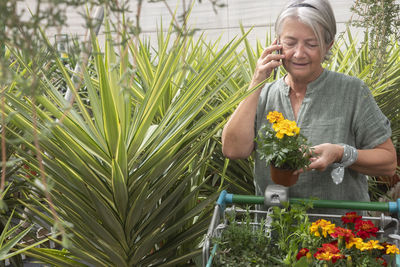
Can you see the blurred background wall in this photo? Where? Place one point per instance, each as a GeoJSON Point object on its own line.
{"type": "Point", "coordinates": [216, 22]}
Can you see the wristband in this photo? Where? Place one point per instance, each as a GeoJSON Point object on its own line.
{"type": "Point", "coordinates": [350, 155]}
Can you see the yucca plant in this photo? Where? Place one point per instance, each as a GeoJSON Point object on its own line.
{"type": "Point", "coordinates": [127, 169]}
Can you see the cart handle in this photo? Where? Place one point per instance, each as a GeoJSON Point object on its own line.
{"type": "Point", "coordinates": [392, 207]}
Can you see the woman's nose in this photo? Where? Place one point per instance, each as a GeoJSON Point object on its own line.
{"type": "Point", "coordinates": [299, 51]}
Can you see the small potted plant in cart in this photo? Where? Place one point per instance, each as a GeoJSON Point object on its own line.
{"type": "Point", "coordinates": [284, 148]}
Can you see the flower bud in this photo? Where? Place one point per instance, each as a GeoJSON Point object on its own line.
{"type": "Point", "coordinates": [349, 261]}
{"type": "Point", "coordinates": [309, 258]}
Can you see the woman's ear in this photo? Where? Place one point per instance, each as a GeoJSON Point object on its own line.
{"type": "Point", "coordinates": [329, 46]}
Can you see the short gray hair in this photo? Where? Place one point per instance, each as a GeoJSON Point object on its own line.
{"type": "Point", "coordinates": [317, 14]}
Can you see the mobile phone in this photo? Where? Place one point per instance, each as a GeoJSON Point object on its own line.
{"type": "Point", "coordinates": [277, 68]}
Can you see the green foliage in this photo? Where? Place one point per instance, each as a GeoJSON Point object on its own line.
{"type": "Point", "coordinates": [291, 225]}
{"type": "Point", "coordinates": [9, 238]}
{"type": "Point", "coordinates": [126, 164]}
{"type": "Point", "coordinates": [381, 20]}
{"type": "Point", "coordinates": [133, 163]}
{"type": "Point", "coordinates": [247, 244]}
{"type": "Point", "coordinates": [243, 245]}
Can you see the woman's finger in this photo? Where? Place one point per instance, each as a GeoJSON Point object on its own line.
{"type": "Point", "coordinates": [270, 49]}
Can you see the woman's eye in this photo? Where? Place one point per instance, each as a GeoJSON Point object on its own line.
{"type": "Point", "coordinates": [313, 45]}
{"type": "Point", "coordinates": [289, 44]}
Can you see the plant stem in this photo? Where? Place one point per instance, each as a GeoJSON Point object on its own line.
{"type": "Point", "coordinates": [3, 143]}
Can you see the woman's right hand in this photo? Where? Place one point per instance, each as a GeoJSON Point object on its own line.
{"type": "Point", "coordinates": [267, 62]}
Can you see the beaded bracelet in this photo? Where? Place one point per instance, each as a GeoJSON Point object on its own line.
{"type": "Point", "coordinates": [350, 155]}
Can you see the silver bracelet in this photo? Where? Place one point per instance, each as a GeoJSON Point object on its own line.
{"type": "Point", "coordinates": [350, 155]}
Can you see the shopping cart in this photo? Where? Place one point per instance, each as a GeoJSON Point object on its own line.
{"type": "Point", "coordinates": [275, 195]}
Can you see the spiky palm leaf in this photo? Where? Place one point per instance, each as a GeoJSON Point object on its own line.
{"type": "Point", "coordinates": [125, 170]}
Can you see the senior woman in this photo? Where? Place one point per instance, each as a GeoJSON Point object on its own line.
{"type": "Point", "coordinates": [336, 113]}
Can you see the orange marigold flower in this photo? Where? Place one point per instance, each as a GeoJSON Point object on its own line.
{"type": "Point", "coordinates": [351, 217]}
{"type": "Point", "coordinates": [322, 227]}
{"type": "Point", "coordinates": [274, 117]}
{"type": "Point", "coordinates": [365, 229]}
{"type": "Point", "coordinates": [326, 256]}
{"type": "Point", "coordinates": [329, 247]}
{"type": "Point", "coordinates": [328, 252]}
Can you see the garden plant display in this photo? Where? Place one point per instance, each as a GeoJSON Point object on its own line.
{"type": "Point", "coordinates": [134, 161]}
{"type": "Point", "coordinates": [296, 241]}
{"type": "Point", "coordinates": [353, 244]}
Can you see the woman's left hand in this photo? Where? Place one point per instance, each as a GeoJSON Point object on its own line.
{"type": "Point", "coordinates": [324, 155]}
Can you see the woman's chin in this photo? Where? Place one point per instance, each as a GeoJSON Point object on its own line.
{"type": "Point", "coordinates": [304, 73]}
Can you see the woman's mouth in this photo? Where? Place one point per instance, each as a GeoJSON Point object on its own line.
{"type": "Point", "coordinates": [299, 64]}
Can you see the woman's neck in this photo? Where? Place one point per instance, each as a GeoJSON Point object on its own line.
{"type": "Point", "coordinates": [299, 85]}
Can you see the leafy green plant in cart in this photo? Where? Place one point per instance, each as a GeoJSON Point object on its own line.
{"type": "Point", "coordinates": [244, 244]}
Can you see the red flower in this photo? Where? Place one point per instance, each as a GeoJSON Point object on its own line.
{"type": "Point", "coordinates": [302, 252]}
{"type": "Point", "coordinates": [351, 217]}
{"type": "Point", "coordinates": [365, 229]}
{"type": "Point", "coordinates": [337, 257]}
{"type": "Point", "coordinates": [343, 232]}
{"type": "Point", "coordinates": [328, 247]}
{"type": "Point", "coordinates": [328, 252]}
{"type": "Point", "coordinates": [334, 243]}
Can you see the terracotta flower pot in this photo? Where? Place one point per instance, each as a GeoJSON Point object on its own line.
{"type": "Point", "coordinates": [283, 176]}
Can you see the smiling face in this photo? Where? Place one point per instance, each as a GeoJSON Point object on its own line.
{"type": "Point", "coordinates": [303, 56]}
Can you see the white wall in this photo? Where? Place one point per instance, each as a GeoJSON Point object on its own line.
{"type": "Point", "coordinates": [259, 14]}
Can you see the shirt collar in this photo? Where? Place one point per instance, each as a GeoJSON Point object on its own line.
{"type": "Point", "coordinates": [311, 87]}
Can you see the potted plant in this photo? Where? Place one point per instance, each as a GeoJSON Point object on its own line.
{"type": "Point", "coordinates": [283, 147]}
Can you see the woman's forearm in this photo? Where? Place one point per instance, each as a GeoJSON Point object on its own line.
{"type": "Point", "coordinates": [238, 134]}
{"type": "Point", "coordinates": [379, 161]}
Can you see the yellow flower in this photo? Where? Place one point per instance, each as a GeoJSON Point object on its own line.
{"type": "Point", "coordinates": [326, 256]}
{"type": "Point", "coordinates": [286, 127]}
{"type": "Point", "coordinates": [371, 244]}
{"type": "Point", "coordinates": [280, 135]}
{"type": "Point", "coordinates": [274, 116]}
{"type": "Point", "coordinates": [322, 225]}
{"type": "Point", "coordinates": [354, 241]}
{"type": "Point", "coordinates": [392, 249]}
